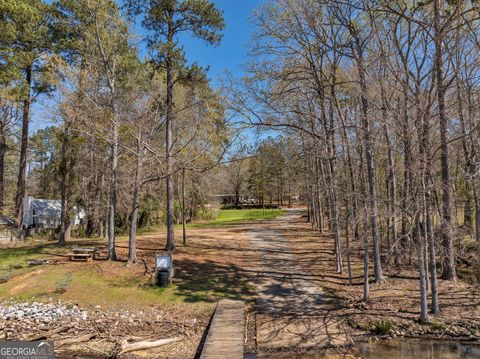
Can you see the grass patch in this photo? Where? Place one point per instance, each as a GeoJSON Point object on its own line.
{"type": "Point", "coordinates": [87, 286]}
{"type": "Point", "coordinates": [437, 326]}
{"type": "Point", "coordinates": [224, 217]}
{"type": "Point", "coordinates": [14, 260]}
{"type": "Point", "coordinates": [17, 257]}
{"type": "Point", "coordinates": [232, 216]}
{"type": "Point", "coordinates": [382, 327]}
{"type": "Point", "coordinates": [112, 284]}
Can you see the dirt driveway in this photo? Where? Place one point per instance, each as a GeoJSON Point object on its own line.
{"type": "Point", "coordinates": [292, 310]}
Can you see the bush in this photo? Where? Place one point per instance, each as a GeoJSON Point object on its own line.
{"type": "Point", "coordinates": [50, 234]}
{"type": "Point", "coordinates": [63, 285]}
{"type": "Point", "coordinates": [382, 327]}
{"type": "Point", "coordinates": [205, 214]}
{"type": "Point", "coordinates": [79, 232]}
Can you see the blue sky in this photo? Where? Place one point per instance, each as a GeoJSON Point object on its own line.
{"type": "Point", "coordinates": [233, 50]}
{"type": "Point", "coordinates": [228, 56]}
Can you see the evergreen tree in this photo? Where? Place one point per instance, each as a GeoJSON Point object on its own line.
{"type": "Point", "coordinates": [98, 42]}
{"type": "Point", "coordinates": [25, 39]}
{"type": "Point", "coordinates": [166, 20]}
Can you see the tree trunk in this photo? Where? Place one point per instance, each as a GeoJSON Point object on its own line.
{"type": "Point", "coordinates": [112, 255]}
{"type": "Point", "coordinates": [347, 239]}
{"type": "Point", "coordinates": [353, 184]}
{"type": "Point", "coordinates": [407, 165]}
{"type": "Point", "coordinates": [447, 230]}
{"type": "Point", "coordinates": [318, 197]}
{"type": "Point", "coordinates": [169, 139]}
{"type": "Point", "coordinates": [421, 266]}
{"type": "Point", "coordinates": [184, 214]}
{"type": "Point", "coordinates": [477, 209]}
{"type": "Point", "coordinates": [132, 248]}
{"type": "Point", "coordinates": [330, 131]}
{"type": "Point", "coordinates": [432, 256]}
{"type": "Point", "coordinates": [468, 207]}
{"type": "Point", "coordinates": [22, 168]}
{"type": "Point", "coordinates": [392, 199]}
{"type": "Point", "coordinates": [3, 151]}
{"type": "Point", "coordinates": [370, 166]}
{"type": "Point", "coordinates": [63, 189]}
{"type": "Point", "coordinates": [391, 183]}
{"type": "Point", "coordinates": [366, 284]}
{"type": "Point", "coordinates": [427, 185]}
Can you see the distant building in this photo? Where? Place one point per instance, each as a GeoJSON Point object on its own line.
{"type": "Point", "coordinates": [46, 213]}
{"type": "Point", "coordinates": [7, 229]}
{"type": "Point", "coordinates": [229, 199]}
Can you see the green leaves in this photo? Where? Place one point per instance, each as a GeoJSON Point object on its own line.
{"type": "Point", "coordinates": [25, 40]}
{"type": "Point", "coordinates": [204, 20]}
{"type": "Point", "coordinates": [166, 19]}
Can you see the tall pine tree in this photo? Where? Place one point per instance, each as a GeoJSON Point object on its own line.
{"type": "Point", "coordinates": [166, 20]}
{"type": "Point", "coordinates": [25, 39]}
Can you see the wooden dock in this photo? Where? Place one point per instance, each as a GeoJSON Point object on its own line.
{"type": "Point", "coordinates": [226, 335]}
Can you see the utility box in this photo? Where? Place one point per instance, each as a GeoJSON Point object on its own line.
{"type": "Point", "coordinates": [163, 270]}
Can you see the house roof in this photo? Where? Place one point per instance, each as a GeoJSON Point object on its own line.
{"type": "Point", "coordinates": [6, 221]}
{"type": "Point", "coordinates": [46, 207]}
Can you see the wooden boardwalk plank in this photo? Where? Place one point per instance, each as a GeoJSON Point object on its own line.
{"type": "Point", "coordinates": [226, 336]}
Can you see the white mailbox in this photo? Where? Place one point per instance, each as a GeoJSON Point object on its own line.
{"type": "Point", "coordinates": [164, 262]}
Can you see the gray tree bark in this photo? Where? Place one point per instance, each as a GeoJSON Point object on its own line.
{"type": "Point", "coordinates": [22, 167]}
{"type": "Point", "coordinates": [447, 230]}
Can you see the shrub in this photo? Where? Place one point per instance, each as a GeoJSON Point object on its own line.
{"type": "Point", "coordinates": [382, 327]}
{"type": "Point", "coordinates": [64, 284]}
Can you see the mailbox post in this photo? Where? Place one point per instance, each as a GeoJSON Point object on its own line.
{"type": "Point", "coordinates": [163, 270]}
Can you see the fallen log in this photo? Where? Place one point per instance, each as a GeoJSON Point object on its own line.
{"type": "Point", "coordinates": [75, 340]}
{"type": "Point", "coordinates": [47, 334]}
{"type": "Point", "coordinates": [131, 347]}
{"type": "Point", "coordinates": [37, 262]}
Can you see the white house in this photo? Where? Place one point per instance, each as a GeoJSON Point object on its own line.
{"type": "Point", "coordinates": [46, 213]}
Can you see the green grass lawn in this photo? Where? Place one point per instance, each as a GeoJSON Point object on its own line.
{"type": "Point", "coordinates": [104, 283]}
{"type": "Point", "coordinates": [224, 217]}
{"type": "Point", "coordinates": [233, 216]}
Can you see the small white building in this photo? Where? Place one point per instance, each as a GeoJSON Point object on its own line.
{"type": "Point", "coordinates": [46, 213]}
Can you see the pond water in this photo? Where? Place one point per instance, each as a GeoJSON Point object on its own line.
{"type": "Point", "coordinates": [393, 349]}
{"type": "Point", "coordinates": [417, 349]}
